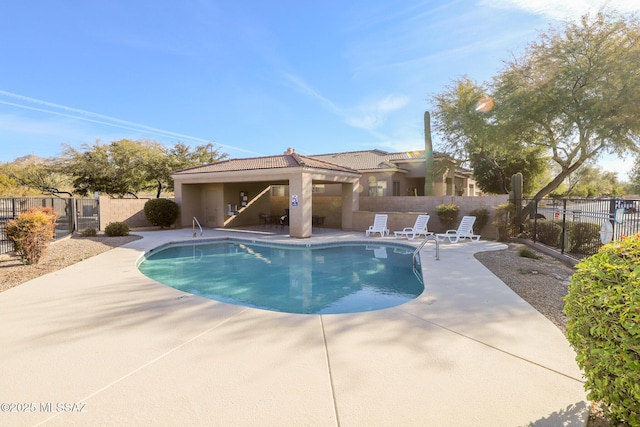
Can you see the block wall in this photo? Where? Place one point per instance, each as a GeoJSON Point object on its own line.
{"type": "Point", "coordinates": [129, 211]}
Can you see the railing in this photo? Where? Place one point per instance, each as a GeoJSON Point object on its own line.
{"type": "Point", "coordinates": [579, 227]}
{"type": "Point", "coordinates": [424, 242]}
{"type": "Point", "coordinates": [193, 223]}
{"type": "Point", "coordinates": [74, 215]}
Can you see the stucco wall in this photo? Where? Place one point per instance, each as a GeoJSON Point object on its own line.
{"type": "Point", "coordinates": [129, 211]}
{"type": "Point", "coordinates": [402, 211]}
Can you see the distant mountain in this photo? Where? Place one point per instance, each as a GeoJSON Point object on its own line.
{"type": "Point", "coordinates": [30, 159]}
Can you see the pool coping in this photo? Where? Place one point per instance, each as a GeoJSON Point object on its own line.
{"type": "Point", "coordinates": [468, 351]}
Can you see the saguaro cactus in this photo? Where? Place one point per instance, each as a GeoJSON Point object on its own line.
{"type": "Point", "coordinates": [515, 197]}
{"type": "Point", "coordinates": [428, 154]}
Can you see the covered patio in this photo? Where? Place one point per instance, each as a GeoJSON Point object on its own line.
{"type": "Point", "coordinates": [237, 192]}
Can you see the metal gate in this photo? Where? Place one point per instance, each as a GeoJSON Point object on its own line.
{"type": "Point", "coordinates": [73, 215]}
{"type": "Point", "coordinates": [575, 226]}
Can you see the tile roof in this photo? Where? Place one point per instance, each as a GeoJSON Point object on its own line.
{"type": "Point", "coordinates": [372, 159]}
{"type": "Point", "coordinates": [268, 162]}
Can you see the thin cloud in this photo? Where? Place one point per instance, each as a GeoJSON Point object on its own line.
{"type": "Point", "coordinates": [101, 119]}
{"type": "Point", "coordinates": [368, 116]}
{"type": "Point", "coordinates": [563, 10]}
{"type": "Point", "coordinates": [374, 114]}
{"type": "Point", "coordinates": [306, 89]}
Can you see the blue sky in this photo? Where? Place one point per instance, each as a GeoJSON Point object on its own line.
{"type": "Point", "coordinates": [255, 77]}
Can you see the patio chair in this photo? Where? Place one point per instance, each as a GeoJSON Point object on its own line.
{"type": "Point", "coordinates": [379, 226]}
{"type": "Point", "coordinates": [464, 231]}
{"type": "Point", "coordinates": [263, 219]}
{"type": "Point", "coordinates": [418, 229]}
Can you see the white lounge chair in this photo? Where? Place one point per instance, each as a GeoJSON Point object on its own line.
{"type": "Point", "coordinates": [379, 226]}
{"type": "Point", "coordinates": [418, 229]}
{"type": "Point", "coordinates": [464, 231]}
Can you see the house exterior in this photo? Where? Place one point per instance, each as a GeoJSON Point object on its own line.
{"type": "Point", "coordinates": [237, 192]}
{"type": "Point", "coordinates": [240, 192]}
{"type": "Point", "coordinates": [403, 174]}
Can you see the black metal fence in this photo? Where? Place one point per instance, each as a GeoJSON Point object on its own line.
{"type": "Point", "coordinates": [74, 214]}
{"type": "Point", "coordinates": [579, 227]}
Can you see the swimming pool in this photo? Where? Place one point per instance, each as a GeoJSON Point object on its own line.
{"type": "Point", "coordinates": [309, 279]}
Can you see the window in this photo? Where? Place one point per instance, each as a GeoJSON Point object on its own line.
{"type": "Point", "coordinates": [317, 188]}
{"type": "Point", "coordinates": [377, 188]}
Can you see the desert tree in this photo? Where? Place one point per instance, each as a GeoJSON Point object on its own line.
{"type": "Point", "coordinates": [572, 95]}
{"type": "Point", "coordinates": [127, 167]}
{"type": "Point", "coordinates": [470, 132]}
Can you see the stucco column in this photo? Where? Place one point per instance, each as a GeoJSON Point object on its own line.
{"type": "Point", "coordinates": [300, 205]}
{"type": "Point", "coordinates": [177, 197]}
{"type": "Point", "coordinates": [350, 204]}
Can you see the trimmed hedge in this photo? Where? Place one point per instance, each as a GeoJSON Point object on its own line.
{"type": "Point", "coordinates": [603, 306]}
{"type": "Point", "coordinates": [162, 212]}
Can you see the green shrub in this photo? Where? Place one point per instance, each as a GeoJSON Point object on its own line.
{"type": "Point", "coordinates": [548, 232]}
{"type": "Point", "coordinates": [482, 216]}
{"type": "Point", "coordinates": [504, 221]}
{"type": "Point", "coordinates": [162, 212]}
{"type": "Point", "coordinates": [31, 233]}
{"type": "Point", "coordinates": [116, 229]}
{"type": "Point", "coordinates": [603, 306]}
{"type": "Point", "coordinates": [89, 232]}
{"type": "Point", "coordinates": [583, 237]}
{"type": "Point", "coordinates": [448, 215]}
{"type": "Point", "coordinates": [526, 252]}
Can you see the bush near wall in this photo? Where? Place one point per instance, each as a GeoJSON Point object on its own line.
{"type": "Point", "coordinates": [548, 232]}
{"type": "Point", "coordinates": [504, 221]}
{"type": "Point", "coordinates": [603, 306]}
{"type": "Point", "coordinates": [583, 237]}
{"type": "Point", "coordinates": [448, 215]}
{"type": "Point", "coordinates": [31, 233]}
{"type": "Point", "coordinates": [114, 229]}
{"type": "Point", "coordinates": [482, 217]}
{"type": "Point", "coordinates": [162, 212]}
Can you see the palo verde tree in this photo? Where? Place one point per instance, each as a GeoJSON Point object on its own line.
{"type": "Point", "coordinates": [573, 93]}
{"type": "Point", "coordinates": [44, 178]}
{"type": "Point", "coordinates": [116, 169]}
{"type": "Point", "coordinates": [181, 156]}
{"type": "Point", "coordinates": [127, 167]}
{"type": "Point", "coordinates": [570, 95]}
{"type": "Point", "coordinates": [591, 181]}
{"type": "Point", "coordinates": [473, 135]}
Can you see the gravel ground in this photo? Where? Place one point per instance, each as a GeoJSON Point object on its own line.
{"type": "Point", "coordinates": [541, 282]}
{"type": "Point", "coordinates": [58, 255]}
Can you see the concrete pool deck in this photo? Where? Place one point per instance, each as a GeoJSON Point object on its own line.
{"type": "Point", "coordinates": [101, 338]}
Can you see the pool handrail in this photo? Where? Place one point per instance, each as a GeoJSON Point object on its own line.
{"type": "Point", "coordinates": [424, 242]}
{"type": "Point", "coordinates": [193, 224]}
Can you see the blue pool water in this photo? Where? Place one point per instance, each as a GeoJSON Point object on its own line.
{"type": "Point", "coordinates": [344, 278]}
